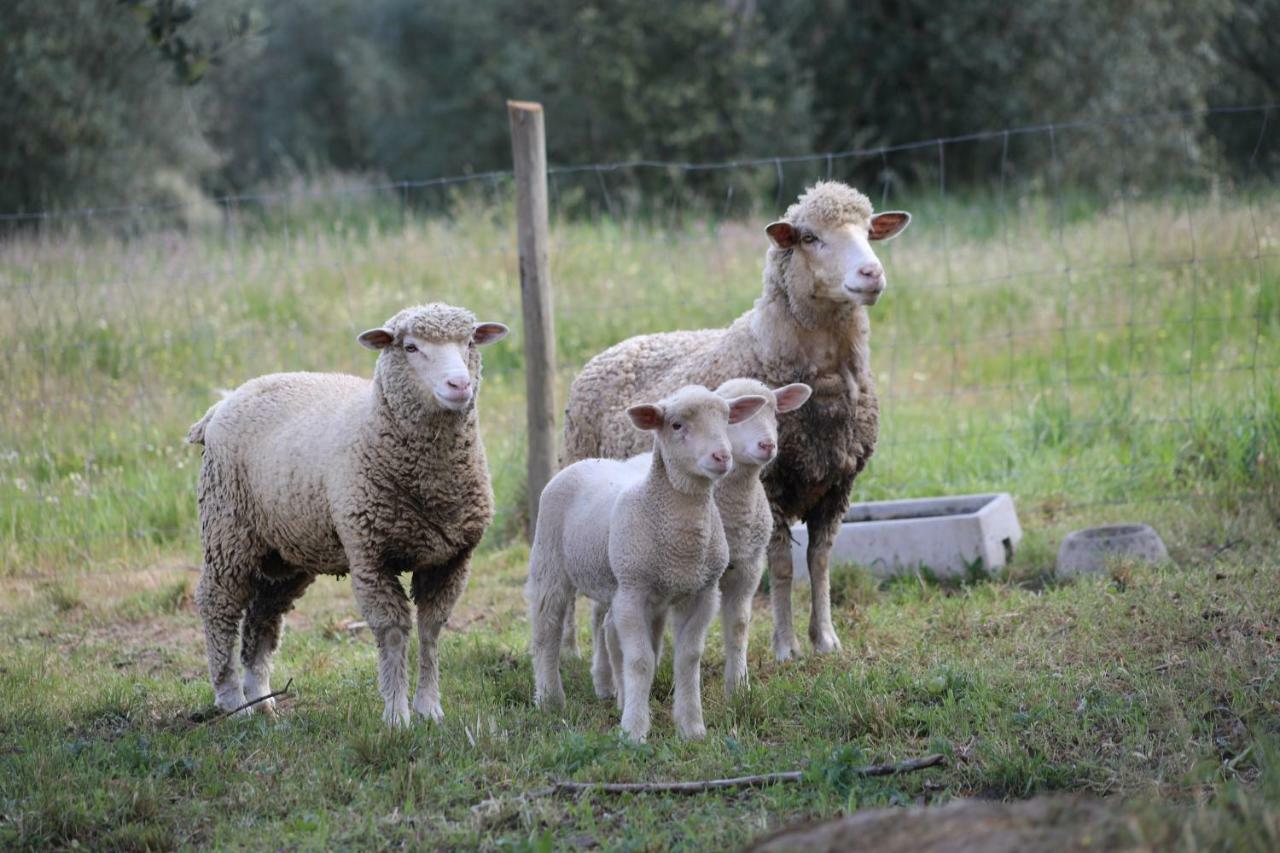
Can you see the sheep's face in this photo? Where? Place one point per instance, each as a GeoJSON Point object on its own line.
{"type": "Point", "coordinates": [755, 439]}
{"type": "Point", "coordinates": [691, 428]}
{"type": "Point", "coordinates": [842, 264]}
{"type": "Point", "coordinates": [447, 370]}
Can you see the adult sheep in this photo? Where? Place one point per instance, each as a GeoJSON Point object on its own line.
{"type": "Point", "coordinates": [322, 473]}
{"type": "Point", "coordinates": [809, 325]}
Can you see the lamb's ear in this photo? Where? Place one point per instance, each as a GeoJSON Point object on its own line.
{"type": "Point", "coordinates": [646, 416]}
{"type": "Point", "coordinates": [376, 339]}
{"type": "Point", "coordinates": [887, 225]}
{"type": "Point", "coordinates": [488, 333]}
{"type": "Point", "coordinates": [791, 397]}
{"type": "Point", "coordinates": [783, 234]}
{"type": "Point", "coordinates": [741, 408]}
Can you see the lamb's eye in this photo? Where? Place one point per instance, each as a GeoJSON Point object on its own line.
{"type": "Point", "coordinates": [809, 238]}
{"type": "Point", "coordinates": [410, 347]}
{"type": "Point", "coordinates": [676, 426]}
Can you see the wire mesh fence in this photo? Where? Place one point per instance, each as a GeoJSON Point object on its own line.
{"type": "Point", "coordinates": [1069, 323]}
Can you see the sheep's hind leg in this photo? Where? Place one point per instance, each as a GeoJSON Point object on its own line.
{"type": "Point", "coordinates": [569, 632]}
{"type": "Point", "coordinates": [601, 666]}
{"type": "Point", "coordinates": [435, 592]}
{"type": "Point", "coordinates": [550, 594]}
{"type": "Point", "coordinates": [382, 602]}
{"type": "Point", "coordinates": [693, 617]}
{"type": "Point", "coordinates": [226, 584]}
{"type": "Point", "coordinates": [273, 597]}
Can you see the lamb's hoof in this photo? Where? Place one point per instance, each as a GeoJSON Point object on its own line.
{"type": "Point", "coordinates": [431, 710]}
{"type": "Point", "coordinates": [785, 649]}
{"type": "Point", "coordinates": [825, 642]}
{"type": "Point", "coordinates": [267, 708]}
{"type": "Point", "coordinates": [233, 702]}
{"type": "Point", "coordinates": [636, 735]}
{"type": "Point", "coordinates": [732, 685]}
{"type": "Point", "coordinates": [605, 692]}
{"type": "Point", "coordinates": [697, 732]}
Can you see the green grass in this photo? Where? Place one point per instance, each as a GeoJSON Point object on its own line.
{"type": "Point", "coordinates": [1112, 363]}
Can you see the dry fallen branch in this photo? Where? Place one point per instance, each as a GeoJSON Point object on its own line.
{"type": "Point", "coordinates": [249, 704]}
{"type": "Point", "coordinates": [737, 782]}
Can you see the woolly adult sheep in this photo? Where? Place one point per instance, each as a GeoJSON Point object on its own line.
{"type": "Point", "coordinates": [809, 325]}
{"type": "Point", "coordinates": [322, 473]}
{"type": "Point", "coordinates": [640, 541]}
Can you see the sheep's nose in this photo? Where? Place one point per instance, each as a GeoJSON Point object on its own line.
{"type": "Point", "coordinates": [768, 447]}
{"type": "Point", "coordinates": [871, 272]}
{"type": "Point", "coordinates": [459, 383]}
{"type": "Point", "coordinates": [720, 457]}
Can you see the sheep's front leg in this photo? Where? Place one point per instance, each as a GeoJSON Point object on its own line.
{"type": "Point", "coordinates": [780, 572]}
{"type": "Point", "coordinates": [385, 607]}
{"type": "Point", "coordinates": [435, 591]}
{"type": "Point", "coordinates": [613, 645]}
{"type": "Point", "coordinates": [824, 523]}
{"type": "Point", "coordinates": [693, 618]}
{"type": "Point", "coordinates": [263, 624]}
{"type": "Point", "coordinates": [737, 587]}
{"type": "Point", "coordinates": [631, 618]}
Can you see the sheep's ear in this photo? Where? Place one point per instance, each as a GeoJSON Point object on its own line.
{"type": "Point", "coordinates": [791, 397]}
{"type": "Point", "coordinates": [741, 408]}
{"type": "Point", "coordinates": [488, 333]}
{"type": "Point", "coordinates": [646, 416]}
{"type": "Point", "coordinates": [376, 339]}
{"type": "Point", "coordinates": [887, 225]}
{"type": "Point", "coordinates": [783, 234]}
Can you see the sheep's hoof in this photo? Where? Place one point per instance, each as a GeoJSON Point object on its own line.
{"type": "Point", "coordinates": [825, 642]}
{"type": "Point", "coordinates": [396, 718]}
{"type": "Point", "coordinates": [549, 702]}
{"type": "Point", "coordinates": [431, 711]}
{"type": "Point", "coordinates": [636, 735]}
{"type": "Point", "coordinates": [785, 650]}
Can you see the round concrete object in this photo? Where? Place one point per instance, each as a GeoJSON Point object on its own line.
{"type": "Point", "coordinates": [1086, 551]}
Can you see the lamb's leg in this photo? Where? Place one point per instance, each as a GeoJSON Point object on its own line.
{"type": "Point", "coordinates": [382, 602]}
{"type": "Point", "coordinates": [824, 523]}
{"type": "Point", "coordinates": [263, 624]}
{"type": "Point", "coordinates": [631, 619]}
{"type": "Point", "coordinates": [693, 617]}
{"type": "Point", "coordinates": [435, 591]}
{"type": "Point", "coordinates": [550, 594]}
{"type": "Point", "coordinates": [780, 571]}
{"type": "Point", "coordinates": [657, 628]}
{"type": "Point", "coordinates": [601, 666]}
{"type": "Point", "coordinates": [737, 587]}
{"type": "Point", "coordinates": [226, 584]}
{"type": "Point", "coordinates": [609, 635]}
{"type": "Point", "coordinates": [569, 632]}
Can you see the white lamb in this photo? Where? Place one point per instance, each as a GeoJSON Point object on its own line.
{"type": "Point", "coordinates": [321, 473]}
{"type": "Point", "coordinates": [641, 543]}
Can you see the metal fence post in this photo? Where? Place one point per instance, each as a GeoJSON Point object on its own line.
{"type": "Point", "coordinates": [529, 152]}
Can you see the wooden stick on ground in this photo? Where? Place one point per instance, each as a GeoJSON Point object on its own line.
{"type": "Point", "coordinates": [737, 782]}
{"type": "Point", "coordinates": [249, 704]}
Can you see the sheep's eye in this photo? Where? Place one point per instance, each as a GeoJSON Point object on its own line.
{"type": "Point", "coordinates": [410, 347]}
{"type": "Point", "coordinates": [809, 238]}
{"type": "Point", "coordinates": [677, 426]}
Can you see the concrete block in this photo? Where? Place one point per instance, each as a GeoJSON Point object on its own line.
{"type": "Point", "coordinates": [944, 535]}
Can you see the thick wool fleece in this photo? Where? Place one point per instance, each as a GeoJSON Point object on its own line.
{"type": "Point", "coordinates": [308, 473]}
{"type": "Point", "coordinates": [792, 334]}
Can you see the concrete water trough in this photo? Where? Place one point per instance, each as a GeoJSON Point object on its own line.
{"type": "Point", "coordinates": [943, 536]}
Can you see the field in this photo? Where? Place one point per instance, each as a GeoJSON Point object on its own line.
{"type": "Point", "coordinates": [1106, 360]}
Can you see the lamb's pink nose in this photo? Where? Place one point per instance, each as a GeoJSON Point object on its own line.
{"type": "Point", "coordinates": [768, 447]}
{"type": "Point", "coordinates": [720, 457]}
{"type": "Point", "coordinates": [871, 272]}
{"type": "Point", "coordinates": [461, 384]}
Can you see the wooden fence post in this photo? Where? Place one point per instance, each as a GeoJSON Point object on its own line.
{"type": "Point", "coordinates": [529, 152]}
